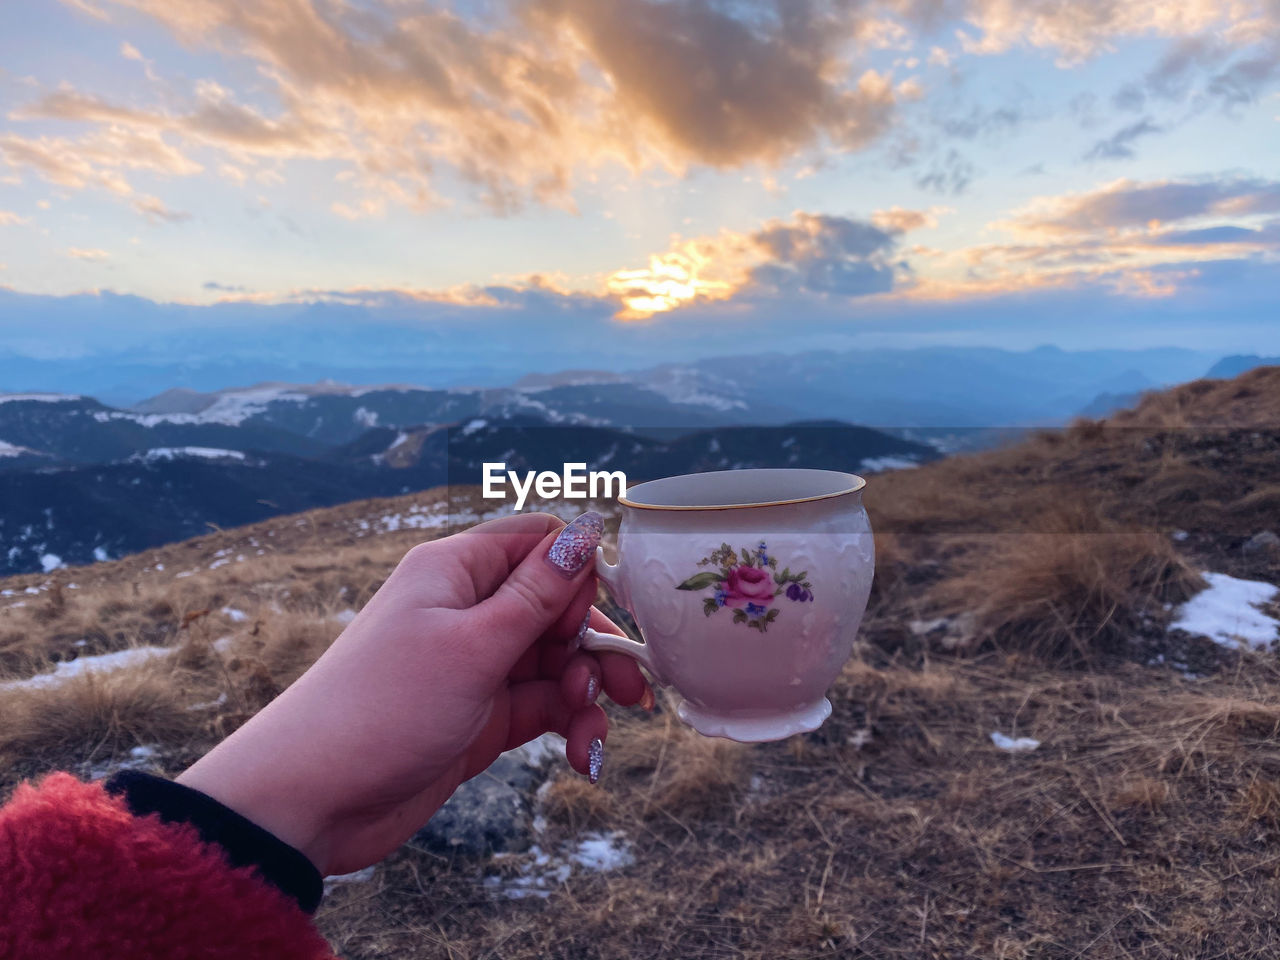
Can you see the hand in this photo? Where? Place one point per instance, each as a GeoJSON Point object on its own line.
{"type": "Point", "coordinates": [466, 651]}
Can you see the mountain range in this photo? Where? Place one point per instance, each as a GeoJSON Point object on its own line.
{"type": "Point", "coordinates": [82, 480]}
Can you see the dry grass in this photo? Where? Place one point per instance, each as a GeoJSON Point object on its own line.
{"type": "Point", "coordinates": [1020, 590]}
{"type": "Point", "coordinates": [1070, 595]}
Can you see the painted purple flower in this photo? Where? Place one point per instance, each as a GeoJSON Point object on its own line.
{"type": "Point", "coordinates": [756, 610]}
{"type": "Point", "coordinates": [797, 592]}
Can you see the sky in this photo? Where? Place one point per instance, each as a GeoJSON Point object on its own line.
{"type": "Point", "coordinates": [773, 173]}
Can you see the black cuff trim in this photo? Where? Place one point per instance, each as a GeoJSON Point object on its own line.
{"type": "Point", "coordinates": [246, 844]}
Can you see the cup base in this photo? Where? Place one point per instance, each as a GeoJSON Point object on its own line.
{"type": "Point", "coordinates": [773, 726]}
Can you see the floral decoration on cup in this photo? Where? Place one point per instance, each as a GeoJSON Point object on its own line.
{"type": "Point", "coordinates": [748, 582]}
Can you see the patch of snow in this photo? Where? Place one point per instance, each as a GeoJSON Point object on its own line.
{"type": "Point", "coordinates": [401, 439]}
{"type": "Point", "coordinates": [219, 563]}
{"type": "Point", "coordinates": [139, 758]}
{"type": "Point", "coordinates": [231, 408]}
{"type": "Point", "coordinates": [594, 852]}
{"type": "Point", "coordinates": [1179, 535]}
{"type": "Point", "coordinates": [414, 521]}
{"type": "Point", "coordinates": [473, 426]}
{"type": "Point", "coordinates": [689, 386]}
{"type": "Point", "coordinates": [237, 616]}
{"type": "Point", "coordinates": [1227, 613]}
{"type": "Point", "coordinates": [209, 704]}
{"type": "Point", "coordinates": [601, 852]}
{"type": "Point", "coordinates": [1020, 745]}
{"type": "Point", "coordinates": [541, 749]}
{"type": "Point", "coordinates": [38, 397]}
{"type": "Point", "coordinates": [184, 573]}
{"type": "Point", "coordinates": [173, 453]}
{"type": "Point", "coordinates": [100, 555]}
{"type": "Point", "coordinates": [345, 616]}
{"type": "Point", "coordinates": [365, 417]}
{"type": "Point", "coordinates": [876, 464]}
{"type": "Point", "coordinates": [360, 876]}
{"type": "Point", "coordinates": [104, 663]}
{"type": "Point", "coordinates": [50, 562]}
{"type": "Point", "coordinates": [11, 450]}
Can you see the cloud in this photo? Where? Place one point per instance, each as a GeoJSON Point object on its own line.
{"type": "Point", "coordinates": [523, 100]}
{"type": "Point", "coordinates": [130, 52]}
{"type": "Point", "coordinates": [1127, 204]}
{"type": "Point", "coordinates": [807, 255]}
{"type": "Point", "coordinates": [1142, 239]}
{"type": "Point", "coordinates": [92, 254]}
{"type": "Point", "coordinates": [950, 174]}
{"type": "Point", "coordinates": [10, 219]}
{"type": "Point", "coordinates": [154, 210]}
{"type": "Point", "coordinates": [1085, 28]}
{"type": "Point", "coordinates": [898, 220]}
{"type": "Point", "coordinates": [1119, 146]}
{"type": "Point", "coordinates": [224, 287]}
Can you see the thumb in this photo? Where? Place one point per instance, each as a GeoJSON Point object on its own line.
{"type": "Point", "coordinates": [542, 586]}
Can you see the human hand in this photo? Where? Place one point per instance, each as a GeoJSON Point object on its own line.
{"type": "Point", "coordinates": [466, 651]}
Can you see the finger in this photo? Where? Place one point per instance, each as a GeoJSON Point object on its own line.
{"type": "Point", "coordinates": [589, 725]}
{"type": "Point", "coordinates": [619, 674]}
{"type": "Point", "coordinates": [540, 589]}
{"type": "Point", "coordinates": [580, 680]}
{"type": "Point", "coordinates": [488, 552]}
{"type": "Point", "coordinates": [569, 626]}
{"type": "Point", "coordinates": [537, 707]}
{"type": "Point", "coordinates": [622, 680]}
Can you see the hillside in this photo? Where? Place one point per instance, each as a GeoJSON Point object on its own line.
{"type": "Point", "coordinates": [1103, 597]}
{"type": "Point", "coordinates": [104, 483]}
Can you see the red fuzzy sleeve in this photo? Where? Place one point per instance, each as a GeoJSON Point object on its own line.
{"type": "Point", "coordinates": [81, 876]}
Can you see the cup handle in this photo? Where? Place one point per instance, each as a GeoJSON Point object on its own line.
{"type": "Point", "coordinates": [594, 640]}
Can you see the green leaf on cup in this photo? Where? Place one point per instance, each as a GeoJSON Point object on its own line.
{"type": "Point", "coordinates": [700, 581]}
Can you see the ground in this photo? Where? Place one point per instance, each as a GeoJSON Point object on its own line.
{"type": "Point", "coordinates": [1030, 591]}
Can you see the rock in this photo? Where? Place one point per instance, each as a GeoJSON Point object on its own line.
{"type": "Point", "coordinates": [1261, 543]}
{"type": "Point", "coordinates": [493, 812]}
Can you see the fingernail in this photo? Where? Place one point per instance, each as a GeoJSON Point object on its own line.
{"type": "Point", "coordinates": [595, 759]}
{"type": "Point", "coordinates": [593, 688]}
{"type": "Point", "coordinates": [576, 545]}
{"type": "Point", "coordinates": [646, 701]}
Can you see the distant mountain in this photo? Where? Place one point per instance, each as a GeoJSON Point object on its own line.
{"type": "Point", "coordinates": [1233, 366]}
{"type": "Point", "coordinates": [76, 514]}
{"type": "Point", "coordinates": [1105, 404]}
{"type": "Point", "coordinates": [80, 430]}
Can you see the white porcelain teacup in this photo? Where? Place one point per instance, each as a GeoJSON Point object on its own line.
{"type": "Point", "coordinates": [748, 587]}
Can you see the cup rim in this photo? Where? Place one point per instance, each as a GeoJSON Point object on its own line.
{"type": "Point", "coordinates": [855, 485]}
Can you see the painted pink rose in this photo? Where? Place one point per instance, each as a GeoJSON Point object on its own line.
{"type": "Point", "coordinates": [748, 585]}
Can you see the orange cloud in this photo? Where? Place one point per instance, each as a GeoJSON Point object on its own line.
{"type": "Point", "coordinates": [92, 254]}
{"type": "Point", "coordinates": [814, 254]}
{"type": "Point", "coordinates": [521, 103]}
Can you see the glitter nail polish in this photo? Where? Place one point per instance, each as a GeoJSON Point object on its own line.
{"type": "Point", "coordinates": [593, 688]}
{"type": "Point", "coordinates": [576, 545]}
{"type": "Point", "coordinates": [595, 759]}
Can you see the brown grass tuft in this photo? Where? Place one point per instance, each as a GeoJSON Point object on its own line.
{"type": "Point", "coordinates": [92, 718]}
{"type": "Point", "coordinates": [1069, 596]}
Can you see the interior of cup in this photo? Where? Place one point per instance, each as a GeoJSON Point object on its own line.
{"type": "Point", "coordinates": [723, 489]}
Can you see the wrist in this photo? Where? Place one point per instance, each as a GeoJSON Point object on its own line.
{"type": "Point", "coordinates": [281, 798]}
